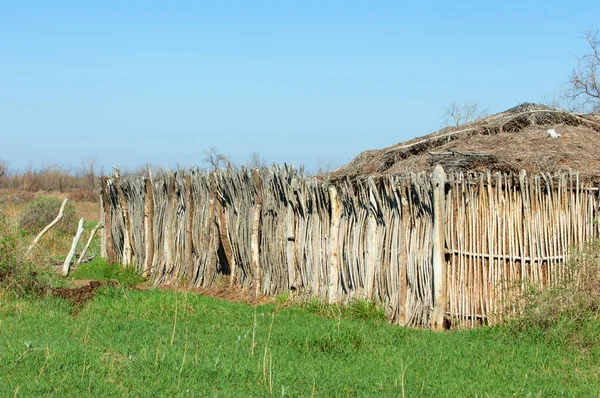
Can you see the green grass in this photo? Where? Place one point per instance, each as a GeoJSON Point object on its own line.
{"type": "Point", "coordinates": [100, 270]}
{"type": "Point", "coordinates": [163, 343]}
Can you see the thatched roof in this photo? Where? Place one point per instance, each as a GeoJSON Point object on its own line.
{"type": "Point", "coordinates": [508, 142]}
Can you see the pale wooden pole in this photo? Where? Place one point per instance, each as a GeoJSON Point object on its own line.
{"type": "Point", "coordinates": [149, 225]}
{"type": "Point", "coordinates": [290, 249]}
{"type": "Point", "coordinates": [67, 262]}
{"type": "Point", "coordinates": [103, 253]}
{"type": "Point", "coordinates": [255, 238]}
{"type": "Point", "coordinates": [371, 242]}
{"type": "Point", "coordinates": [127, 245]}
{"type": "Point", "coordinates": [47, 227]}
{"type": "Point", "coordinates": [439, 265]}
{"type": "Point", "coordinates": [89, 242]}
{"type": "Point", "coordinates": [334, 264]}
{"type": "Point", "coordinates": [189, 222]}
{"type": "Point", "coordinates": [108, 241]}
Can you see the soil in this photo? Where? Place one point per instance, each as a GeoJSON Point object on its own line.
{"type": "Point", "coordinates": [79, 295]}
{"type": "Point", "coordinates": [83, 290]}
{"type": "Point", "coordinates": [221, 291]}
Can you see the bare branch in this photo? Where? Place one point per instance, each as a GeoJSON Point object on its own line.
{"type": "Point", "coordinates": [215, 159]}
{"type": "Point", "coordinates": [584, 83]}
{"type": "Point", "coordinates": [256, 161]}
{"type": "Point", "coordinates": [457, 114]}
{"type": "Point", "coordinates": [3, 167]}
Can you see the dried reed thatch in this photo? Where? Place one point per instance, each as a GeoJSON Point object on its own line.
{"type": "Point", "coordinates": [509, 141]}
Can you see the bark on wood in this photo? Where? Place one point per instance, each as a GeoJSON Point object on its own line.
{"type": "Point", "coordinates": [334, 264]}
{"type": "Point", "coordinates": [103, 253]}
{"type": "Point", "coordinates": [189, 243]}
{"type": "Point", "coordinates": [108, 238]}
{"type": "Point", "coordinates": [439, 264]}
{"type": "Point", "coordinates": [127, 245]}
{"type": "Point", "coordinates": [371, 243]}
{"type": "Point", "coordinates": [148, 226]}
{"type": "Point", "coordinates": [224, 233]}
{"type": "Point", "coordinates": [255, 238]}
{"type": "Point", "coordinates": [67, 262]}
{"type": "Point", "coordinates": [47, 227]}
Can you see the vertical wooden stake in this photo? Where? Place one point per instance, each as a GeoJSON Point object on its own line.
{"type": "Point", "coordinates": [371, 243]}
{"type": "Point", "coordinates": [334, 266]}
{"type": "Point", "coordinates": [290, 249]}
{"type": "Point", "coordinates": [103, 253]}
{"type": "Point", "coordinates": [127, 246]}
{"type": "Point", "coordinates": [189, 222]}
{"type": "Point", "coordinates": [108, 241]}
{"type": "Point", "coordinates": [221, 214]}
{"type": "Point", "coordinates": [149, 225]}
{"type": "Point", "coordinates": [255, 238]}
{"type": "Point", "coordinates": [439, 266]}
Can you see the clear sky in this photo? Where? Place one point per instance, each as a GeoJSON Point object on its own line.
{"type": "Point", "coordinates": [136, 82]}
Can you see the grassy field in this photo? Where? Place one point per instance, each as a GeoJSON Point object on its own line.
{"type": "Point", "coordinates": [132, 341]}
{"type": "Point", "coordinates": [129, 342]}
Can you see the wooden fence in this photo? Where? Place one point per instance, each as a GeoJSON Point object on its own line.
{"type": "Point", "coordinates": [428, 248]}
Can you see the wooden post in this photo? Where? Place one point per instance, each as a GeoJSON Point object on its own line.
{"type": "Point", "coordinates": [255, 238]}
{"type": "Point", "coordinates": [103, 222]}
{"type": "Point", "coordinates": [221, 215]}
{"type": "Point", "coordinates": [290, 249]}
{"type": "Point", "coordinates": [438, 257]}
{"type": "Point", "coordinates": [405, 237]}
{"type": "Point", "coordinates": [371, 243]}
{"type": "Point", "coordinates": [334, 265]}
{"type": "Point", "coordinates": [127, 246]}
{"type": "Point", "coordinates": [189, 222]}
{"type": "Point", "coordinates": [67, 262]}
{"type": "Point", "coordinates": [110, 248]}
{"type": "Point", "coordinates": [148, 225]}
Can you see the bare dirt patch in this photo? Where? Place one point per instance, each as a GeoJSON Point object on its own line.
{"type": "Point", "coordinates": [79, 295]}
{"type": "Point", "coordinates": [221, 291]}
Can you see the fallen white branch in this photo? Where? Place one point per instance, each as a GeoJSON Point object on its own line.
{"type": "Point", "coordinates": [67, 262]}
{"type": "Point", "coordinates": [47, 227]}
{"type": "Point", "coordinates": [89, 242]}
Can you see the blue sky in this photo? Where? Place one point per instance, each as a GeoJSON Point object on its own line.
{"type": "Point", "coordinates": [302, 82]}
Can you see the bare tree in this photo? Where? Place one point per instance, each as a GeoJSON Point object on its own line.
{"type": "Point", "coordinates": [256, 161]}
{"type": "Point", "coordinates": [88, 172]}
{"type": "Point", "coordinates": [215, 159]}
{"type": "Point", "coordinates": [457, 113]}
{"type": "Point", "coordinates": [562, 100]}
{"type": "Point", "coordinates": [324, 166]}
{"type": "Point", "coordinates": [3, 167]}
{"type": "Point", "coordinates": [584, 81]}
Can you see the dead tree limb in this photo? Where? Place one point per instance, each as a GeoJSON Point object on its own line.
{"type": "Point", "coordinates": [89, 242]}
{"type": "Point", "coordinates": [67, 262]}
{"type": "Point", "coordinates": [47, 227]}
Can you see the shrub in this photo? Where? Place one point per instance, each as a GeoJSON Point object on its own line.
{"type": "Point", "coordinates": [568, 311]}
{"type": "Point", "coordinates": [18, 275]}
{"type": "Point", "coordinates": [354, 309]}
{"type": "Point", "coordinates": [100, 270]}
{"type": "Point", "coordinates": [41, 211]}
{"type": "Point", "coordinates": [84, 195]}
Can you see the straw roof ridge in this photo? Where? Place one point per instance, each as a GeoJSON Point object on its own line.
{"type": "Point", "coordinates": [508, 141]}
